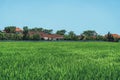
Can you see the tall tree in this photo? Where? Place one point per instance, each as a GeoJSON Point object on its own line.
{"type": "Point", "coordinates": [81, 37]}
{"type": "Point", "coordinates": [61, 32]}
{"type": "Point", "coordinates": [72, 35]}
{"type": "Point", "coordinates": [2, 36]}
{"type": "Point", "coordinates": [25, 32]}
{"type": "Point", "coordinates": [48, 31]}
{"type": "Point", "coordinates": [10, 29]}
{"type": "Point", "coordinates": [36, 37]}
{"type": "Point", "coordinates": [109, 37]}
{"type": "Point", "coordinates": [90, 33]}
{"type": "Point", "coordinates": [100, 37]}
{"type": "Point", "coordinates": [18, 36]}
{"type": "Point", "coordinates": [36, 29]}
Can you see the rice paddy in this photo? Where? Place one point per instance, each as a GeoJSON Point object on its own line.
{"type": "Point", "coordinates": [59, 61]}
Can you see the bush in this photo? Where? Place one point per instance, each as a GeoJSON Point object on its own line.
{"type": "Point", "coordinates": [2, 36]}
{"type": "Point", "coordinates": [116, 39]}
{"type": "Point", "coordinates": [36, 37]}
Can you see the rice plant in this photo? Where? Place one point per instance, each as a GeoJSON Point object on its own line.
{"type": "Point", "coordinates": [59, 61]}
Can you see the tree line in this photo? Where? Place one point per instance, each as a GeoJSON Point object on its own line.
{"type": "Point", "coordinates": [9, 33]}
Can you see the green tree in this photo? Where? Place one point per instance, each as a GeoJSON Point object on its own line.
{"type": "Point", "coordinates": [81, 37]}
{"type": "Point", "coordinates": [2, 36]}
{"type": "Point", "coordinates": [116, 39]}
{"type": "Point", "coordinates": [100, 38]}
{"type": "Point", "coordinates": [36, 29]}
{"type": "Point", "coordinates": [90, 35]}
{"type": "Point", "coordinates": [10, 29]}
{"type": "Point", "coordinates": [18, 36]}
{"type": "Point", "coordinates": [61, 32]}
{"type": "Point", "coordinates": [66, 37]}
{"type": "Point", "coordinates": [48, 31]}
{"type": "Point", "coordinates": [25, 33]}
{"type": "Point", "coordinates": [72, 36]}
{"type": "Point", "coordinates": [109, 37]}
{"type": "Point", "coordinates": [36, 37]}
{"type": "Point", "coordinates": [10, 36]}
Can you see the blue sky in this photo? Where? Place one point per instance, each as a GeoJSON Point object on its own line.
{"type": "Point", "coordinates": [76, 15]}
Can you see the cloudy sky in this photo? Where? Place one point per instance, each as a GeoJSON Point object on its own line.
{"type": "Point", "coordinates": [76, 15]}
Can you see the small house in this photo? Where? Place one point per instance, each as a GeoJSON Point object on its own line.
{"type": "Point", "coordinates": [46, 36]}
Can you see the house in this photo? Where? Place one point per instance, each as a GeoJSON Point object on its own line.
{"type": "Point", "coordinates": [46, 36]}
{"type": "Point", "coordinates": [18, 30]}
{"type": "Point", "coordinates": [116, 36]}
{"type": "Point", "coordinates": [55, 37]}
{"type": "Point", "coordinates": [41, 34]}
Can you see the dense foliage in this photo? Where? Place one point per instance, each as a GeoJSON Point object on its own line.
{"type": "Point", "coordinates": [9, 33]}
{"type": "Point", "coordinates": [59, 61]}
{"type": "Point", "coordinates": [10, 29]}
{"type": "Point", "coordinates": [61, 32]}
{"type": "Point", "coordinates": [25, 33]}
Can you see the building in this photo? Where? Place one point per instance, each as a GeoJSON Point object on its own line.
{"type": "Point", "coordinates": [46, 36]}
{"type": "Point", "coordinates": [116, 36]}
{"type": "Point", "coordinates": [18, 30]}
{"type": "Point", "coordinates": [41, 34]}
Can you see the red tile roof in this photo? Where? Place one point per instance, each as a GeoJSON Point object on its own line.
{"type": "Point", "coordinates": [42, 34]}
{"type": "Point", "coordinates": [18, 30]}
{"type": "Point", "coordinates": [116, 35]}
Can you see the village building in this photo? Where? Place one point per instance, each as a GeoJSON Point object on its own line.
{"type": "Point", "coordinates": [42, 35]}
{"type": "Point", "coordinates": [18, 30]}
{"type": "Point", "coordinates": [46, 36]}
{"type": "Point", "coordinates": [116, 36]}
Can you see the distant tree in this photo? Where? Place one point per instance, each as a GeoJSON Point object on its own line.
{"type": "Point", "coordinates": [61, 32]}
{"type": "Point", "coordinates": [48, 31]}
{"type": "Point", "coordinates": [25, 33]}
{"type": "Point", "coordinates": [10, 29]}
{"type": "Point", "coordinates": [100, 38]}
{"type": "Point", "coordinates": [90, 35]}
{"type": "Point", "coordinates": [2, 36]}
{"type": "Point", "coordinates": [116, 39]}
{"type": "Point", "coordinates": [10, 36]}
{"type": "Point", "coordinates": [81, 37]}
{"type": "Point", "coordinates": [72, 36]}
{"type": "Point", "coordinates": [66, 37]}
{"type": "Point", "coordinates": [18, 36]}
{"type": "Point", "coordinates": [109, 37]}
{"type": "Point", "coordinates": [36, 29]}
{"type": "Point", "coordinates": [36, 37]}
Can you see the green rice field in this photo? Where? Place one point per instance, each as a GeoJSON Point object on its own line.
{"type": "Point", "coordinates": [59, 61]}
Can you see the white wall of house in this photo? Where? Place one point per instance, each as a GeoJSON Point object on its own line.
{"type": "Point", "coordinates": [50, 38]}
{"type": "Point", "coordinates": [46, 38]}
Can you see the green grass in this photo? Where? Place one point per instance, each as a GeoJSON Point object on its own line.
{"type": "Point", "coordinates": [59, 61]}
